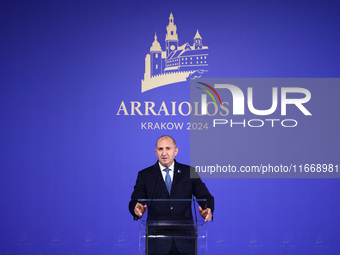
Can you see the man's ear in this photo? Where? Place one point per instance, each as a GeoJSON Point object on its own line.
{"type": "Point", "coordinates": [176, 151]}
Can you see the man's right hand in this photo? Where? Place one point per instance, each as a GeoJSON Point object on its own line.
{"type": "Point", "coordinates": [140, 209]}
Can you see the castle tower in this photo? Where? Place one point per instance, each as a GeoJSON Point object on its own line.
{"type": "Point", "coordinates": [198, 44]}
{"type": "Point", "coordinates": [171, 38]}
{"type": "Point", "coordinates": [155, 58]}
{"type": "Point", "coordinates": [147, 73]}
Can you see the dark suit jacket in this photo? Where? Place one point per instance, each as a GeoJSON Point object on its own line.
{"type": "Point", "coordinates": [150, 185]}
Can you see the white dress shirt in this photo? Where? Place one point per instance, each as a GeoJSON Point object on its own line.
{"type": "Point", "coordinates": [171, 172]}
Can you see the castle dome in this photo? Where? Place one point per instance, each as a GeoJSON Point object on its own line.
{"type": "Point", "coordinates": [155, 45]}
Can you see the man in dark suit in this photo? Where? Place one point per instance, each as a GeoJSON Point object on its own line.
{"type": "Point", "coordinates": [168, 179]}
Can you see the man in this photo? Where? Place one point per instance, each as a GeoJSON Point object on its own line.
{"type": "Point", "coordinates": [168, 179]}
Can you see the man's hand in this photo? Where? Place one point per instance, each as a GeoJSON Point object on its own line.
{"type": "Point", "coordinates": [140, 209]}
{"type": "Point", "coordinates": [206, 214]}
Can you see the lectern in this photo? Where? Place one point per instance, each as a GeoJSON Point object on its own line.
{"type": "Point", "coordinates": [166, 225]}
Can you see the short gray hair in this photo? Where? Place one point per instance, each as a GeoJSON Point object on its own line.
{"type": "Point", "coordinates": [166, 136]}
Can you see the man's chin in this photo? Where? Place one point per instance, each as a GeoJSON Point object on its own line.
{"type": "Point", "coordinates": [165, 163]}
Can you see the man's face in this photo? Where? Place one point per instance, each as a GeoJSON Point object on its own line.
{"type": "Point", "coordinates": [166, 151]}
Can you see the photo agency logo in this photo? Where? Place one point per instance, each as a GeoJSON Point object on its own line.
{"type": "Point", "coordinates": [221, 99]}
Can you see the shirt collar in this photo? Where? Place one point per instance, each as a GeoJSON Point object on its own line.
{"type": "Point", "coordinates": [170, 167]}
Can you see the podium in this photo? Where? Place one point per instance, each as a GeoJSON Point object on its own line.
{"type": "Point", "coordinates": [173, 222]}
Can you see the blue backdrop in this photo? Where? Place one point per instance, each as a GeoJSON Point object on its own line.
{"type": "Point", "coordinates": [69, 161]}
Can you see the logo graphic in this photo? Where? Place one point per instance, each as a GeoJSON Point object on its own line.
{"type": "Point", "coordinates": [240, 100]}
{"type": "Point", "coordinates": [213, 90]}
{"type": "Point", "coordinates": [56, 240]}
{"type": "Point", "coordinates": [90, 240]}
{"type": "Point", "coordinates": [176, 63]}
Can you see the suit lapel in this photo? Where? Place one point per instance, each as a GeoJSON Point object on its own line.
{"type": "Point", "coordinates": [159, 178]}
{"type": "Point", "coordinates": [177, 173]}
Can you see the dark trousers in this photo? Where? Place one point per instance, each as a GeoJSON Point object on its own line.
{"type": "Point", "coordinates": [174, 251]}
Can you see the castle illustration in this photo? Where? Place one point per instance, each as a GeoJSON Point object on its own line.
{"type": "Point", "coordinates": [175, 63]}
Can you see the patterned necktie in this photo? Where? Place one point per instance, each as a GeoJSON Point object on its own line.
{"type": "Point", "coordinates": [167, 179]}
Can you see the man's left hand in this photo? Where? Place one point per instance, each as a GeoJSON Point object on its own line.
{"type": "Point", "coordinates": [206, 214]}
